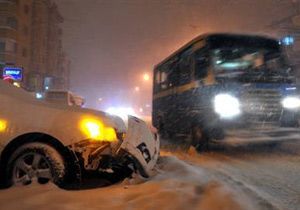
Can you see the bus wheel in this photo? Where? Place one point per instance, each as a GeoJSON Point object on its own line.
{"type": "Point", "coordinates": [199, 139]}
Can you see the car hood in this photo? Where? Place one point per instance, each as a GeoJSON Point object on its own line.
{"type": "Point", "coordinates": [25, 97]}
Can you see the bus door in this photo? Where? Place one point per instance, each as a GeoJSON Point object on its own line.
{"type": "Point", "coordinates": [184, 101]}
{"type": "Point", "coordinates": [202, 93]}
{"type": "Point", "coordinates": [192, 94]}
{"type": "Point", "coordinates": [164, 101]}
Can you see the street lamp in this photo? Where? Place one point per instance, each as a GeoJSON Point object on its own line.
{"type": "Point", "coordinates": [137, 89]}
{"type": "Point", "coordinates": [146, 77]}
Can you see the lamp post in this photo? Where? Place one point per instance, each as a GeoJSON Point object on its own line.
{"type": "Point", "coordinates": [146, 77]}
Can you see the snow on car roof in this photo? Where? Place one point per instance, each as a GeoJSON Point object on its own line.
{"type": "Point", "coordinates": [20, 94]}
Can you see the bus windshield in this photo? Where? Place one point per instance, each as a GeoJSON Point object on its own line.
{"type": "Point", "coordinates": [249, 61]}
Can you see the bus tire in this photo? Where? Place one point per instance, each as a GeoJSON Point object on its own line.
{"type": "Point", "coordinates": [200, 139]}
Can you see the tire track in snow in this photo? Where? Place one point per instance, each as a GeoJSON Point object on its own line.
{"type": "Point", "coordinates": [271, 178]}
{"type": "Point", "coordinates": [260, 200]}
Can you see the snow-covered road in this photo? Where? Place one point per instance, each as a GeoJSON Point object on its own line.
{"type": "Point", "coordinates": [176, 185]}
{"type": "Point", "coordinates": [254, 176]}
{"type": "Point", "coordinates": [267, 171]}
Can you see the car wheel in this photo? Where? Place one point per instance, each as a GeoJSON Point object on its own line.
{"type": "Point", "coordinates": [36, 162]}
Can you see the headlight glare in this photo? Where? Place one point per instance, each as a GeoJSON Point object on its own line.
{"type": "Point", "coordinates": [226, 105]}
{"type": "Point", "coordinates": [96, 130]}
{"type": "Point", "coordinates": [3, 125]}
{"type": "Point", "coordinates": [291, 102]}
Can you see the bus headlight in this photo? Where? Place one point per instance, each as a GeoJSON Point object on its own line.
{"type": "Point", "coordinates": [227, 106]}
{"type": "Point", "coordinates": [291, 102]}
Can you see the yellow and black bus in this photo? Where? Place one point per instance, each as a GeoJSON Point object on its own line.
{"type": "Point", "coordinates": [222, 82]}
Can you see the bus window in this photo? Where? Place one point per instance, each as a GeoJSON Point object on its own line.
{"type": "Point", "coordinates": [161, 80]}
{"type": "Point", "coordinates": [173, 79]}
{"type": "Point", "coordinates": [157, 77]}
{"type": "Point", "coordinates": [163, 77]}
{"type": "Point", "coordinates": [185, 67]}
{"type": "Point", "coordinates": [201, 63]}
{"type": "Point", "coordinates": [167, 76]}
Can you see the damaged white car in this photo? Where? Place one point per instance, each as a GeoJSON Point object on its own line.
{"type": "Point", "coordinates": [42, 142]}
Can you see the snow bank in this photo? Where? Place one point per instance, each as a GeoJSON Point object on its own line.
{"type": "Point", "coordinates": [176, 185]}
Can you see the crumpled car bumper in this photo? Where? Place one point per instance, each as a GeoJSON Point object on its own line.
{"type": "Point", "coordinates": [139, 146]}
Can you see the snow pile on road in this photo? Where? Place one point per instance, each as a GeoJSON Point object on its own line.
{"type": "Point", "coordinates": [176, 185]}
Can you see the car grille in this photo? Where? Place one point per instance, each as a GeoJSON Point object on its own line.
{"type": "Point", "coordinates": [262, 105]}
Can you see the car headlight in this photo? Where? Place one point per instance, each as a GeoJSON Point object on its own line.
{"type": "Point", "coordinates": [291, 102]}
{"type": "Point", "coordinates": [227, 106]}
{"type": "Point", "coordinates": [96, 130]}
{"type": "Point", "coordinates": [3, 125]}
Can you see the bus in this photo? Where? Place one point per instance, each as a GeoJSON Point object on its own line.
{"type": "Point", "coordinates": [220, 83]}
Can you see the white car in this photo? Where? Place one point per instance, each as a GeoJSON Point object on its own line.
{"type": "Point", "coordinates": [43, 142]}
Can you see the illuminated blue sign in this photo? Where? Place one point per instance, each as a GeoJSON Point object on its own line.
{"type": "Point", "coordinates": [16, 73]}
{"type": "Point", "coordinates": [288, 40]}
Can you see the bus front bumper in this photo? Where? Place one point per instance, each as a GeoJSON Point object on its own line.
{"type": "Point", "coordinates": [245, 125]}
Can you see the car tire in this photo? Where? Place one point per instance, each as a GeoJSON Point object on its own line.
{"type": "Point", "coordinates": [36, 162]}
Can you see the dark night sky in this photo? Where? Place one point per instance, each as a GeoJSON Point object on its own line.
{"type": "Point", "coordinates": [111, 43]}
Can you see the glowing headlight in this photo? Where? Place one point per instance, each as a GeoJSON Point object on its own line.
{"type": "Point", "coordinates": [95, 130]}
{"type": "Point", "coordinates": [226, 105]}
{"type": "Point", "coordinates": [2, 125]}
{"type": "Point", "coordinates": [291, 103]}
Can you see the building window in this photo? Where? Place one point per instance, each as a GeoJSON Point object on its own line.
{"type": "Point", "coordinates": [14, 1]}
{"type": "Point", "coordinates": [26, 9]}
{"type": "Point", "coordinates": [15, 47]}
{"type": "Point", "coordinates": [11, 47]}
{"type": "Point", "coordinates": [24, 52]}
{"type": "Point", "coordinates": [12, 22]}
{"type": "Point", "coordinates": [25, 30]}
{"type": "Point", "coordinates": [2, 46]}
